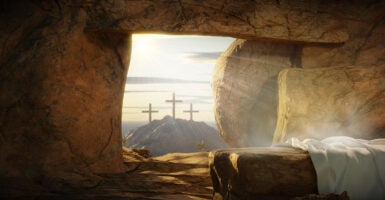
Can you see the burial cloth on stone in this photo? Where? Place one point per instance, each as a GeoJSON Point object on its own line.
{"type": "Point", "coordinates": [347, 164]}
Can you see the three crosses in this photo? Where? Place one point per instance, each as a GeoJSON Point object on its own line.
{"type": "Point", "coordinates": [173, 101]}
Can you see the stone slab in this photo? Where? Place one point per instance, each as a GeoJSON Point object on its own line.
{"type": "Point", "coordinates": [245, 90]}
{"type": "Point", "coordinates": [267, 173]}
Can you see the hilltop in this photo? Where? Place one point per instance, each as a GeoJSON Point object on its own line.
{"type": "Point", "coordinates": [170, 135]}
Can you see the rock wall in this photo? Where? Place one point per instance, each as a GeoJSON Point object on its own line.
{"type": "Point", "coordinates": [303, 21]}
{"type": "Point", "coordinates": [319, 103]}
{"type": "Point", "coordinates": [63, 66]}
{"type": "Point", "coordinates": [60, 98]}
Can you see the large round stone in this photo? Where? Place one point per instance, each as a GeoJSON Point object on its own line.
{"type": "Point", "coordinates": [245, 90]}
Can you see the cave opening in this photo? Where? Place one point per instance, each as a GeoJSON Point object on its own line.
{"type": "Point", "coordinates": [164, 68]}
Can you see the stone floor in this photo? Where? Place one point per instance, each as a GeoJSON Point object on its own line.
{"type": "Point", "coordinates": [173, 176]}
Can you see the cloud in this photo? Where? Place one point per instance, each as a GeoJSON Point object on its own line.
{"type": "Point", "coordinates": [157, 80]}
{"type": "Point", "coordinates": [195, 99]}
{"type": "Point", "coordinates": [196, 96]}
{"type": "Point", "coordinates": [203, 56]}
{"type": "Point", "coordinates": [199, 101]}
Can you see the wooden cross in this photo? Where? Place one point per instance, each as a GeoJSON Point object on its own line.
{"type": "Point", "coordinates": [191, 111]}
{"type": "Point", "coordinates": [149, 111]}
{"type": "Point", "coordinates": [173, 101]}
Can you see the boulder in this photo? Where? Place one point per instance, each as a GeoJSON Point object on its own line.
{"type": "Point", "coordinates": [244, 85]}
{"type": "Point", "coordinates": [323, 102]}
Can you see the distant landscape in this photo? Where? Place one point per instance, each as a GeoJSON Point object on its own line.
{"type": "Point", "coordinates": [170, 135]}
{"type": "Point", "coordinates": [131, 125]}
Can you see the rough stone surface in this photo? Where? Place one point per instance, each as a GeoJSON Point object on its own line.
{"type": "Point", "coordinates": [318, 103]}
{"type": "Point", "coordinates": [245, 88]}
{"type": "Point", "coordinates": [300, 21]}
{"type": "Point", "coordinates": [60, 97]}
{"type": "Point", "coordinates": [265, 173]}
{"type": "Point", "coordinates": [174, 176]}
{"type": "Point", "coordinates": [364, 48]}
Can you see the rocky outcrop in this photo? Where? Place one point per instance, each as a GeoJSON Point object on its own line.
{"type": "Point", "coordinates": [319, 103]}
{"type": "Point", "coordinates": [266, 173]}
{"type": "Point", "coordinates": [60, 94]}
{"type": "Point", "coordinates": [245, 88]}
{"type": "Point", "coordinates": [174, 135]}
{"type": "Point", "coordinates": [282, 20]}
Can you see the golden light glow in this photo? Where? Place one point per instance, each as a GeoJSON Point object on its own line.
{"type": "Point", "coordinates": [163, 64]}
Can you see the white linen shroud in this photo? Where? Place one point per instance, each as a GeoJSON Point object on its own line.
{"type": "Point", "coordinates": [347, 164]}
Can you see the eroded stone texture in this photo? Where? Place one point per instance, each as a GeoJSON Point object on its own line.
{"type": "Point", "coordinates": [365, 46]}
{"type": "Point", "coordinates": [318, 103]}
{"type": "Point", "coordinates": [244, 84]}
{"type": "Point", "coordinates": [262, 173]}
{"type": "Point", "coordinates": [60, 97]}
{"type": "Point", "coordinates": [302, 21]}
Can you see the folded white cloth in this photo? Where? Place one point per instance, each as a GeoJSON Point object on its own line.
{"type": "Point", "coordinates": [347, 164]}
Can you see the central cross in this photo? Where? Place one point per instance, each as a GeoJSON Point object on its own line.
{"type": "Point", "coordinates": [173, 101]}
{"type": "Point", "coordinates": [149, 111]}
{"type": "Point", "coordinates": [191, 111]}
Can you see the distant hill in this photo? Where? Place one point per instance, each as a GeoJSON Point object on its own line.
{"type": "Point", "coordinates": [131, 125]}
{"type": "Point", "coordinates": [128, 126]}
{"type": "Point", "coordinates": [174, 135]}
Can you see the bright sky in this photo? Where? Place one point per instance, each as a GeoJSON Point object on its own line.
{"type": "Point", "coordinates": [163, 64]}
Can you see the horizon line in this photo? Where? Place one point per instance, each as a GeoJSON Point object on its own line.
{"type": "Point", "coordinates": [160, 80]}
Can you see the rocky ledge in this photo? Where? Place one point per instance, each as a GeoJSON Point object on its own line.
{"type": "Point", "coordinates": [264, 173]}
